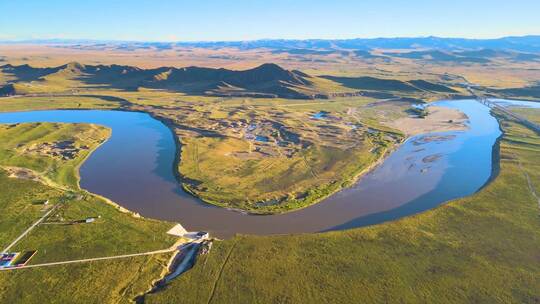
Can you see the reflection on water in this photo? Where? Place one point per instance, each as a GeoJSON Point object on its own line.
{"type": "Point", "coordinates": [517, 103]}
{"type": "Point", "coordinates": [135, 169]}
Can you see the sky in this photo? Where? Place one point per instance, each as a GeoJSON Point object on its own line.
{"type": "Point", "coordinates": [213, 20]}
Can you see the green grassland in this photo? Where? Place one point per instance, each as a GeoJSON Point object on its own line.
{"type": "Point", "coordinates": [247, 183]}
{"type": "Point", "coordinates": [24, 145]}
{"type": "Point", "coordinates": [221, 166]}
{"type": "Point", "coordinates": [95, 282]}
{"type": "Point", "coordinates": [328, 154]}
{"type": "Point", "coordinates": [479, 249]}
{"type": "Point", "coordinates": [117, 281]}
{"type": "Point", "coordinates": [20, 205]}
{"type": "Point", "coordinates": [303, 160]}
{"type": "Point", "coordinates": [530, 114]}
{"type": "Point", "coordinates": [54, 102]}
{"type": "Point", "coordinates": [59, 238]}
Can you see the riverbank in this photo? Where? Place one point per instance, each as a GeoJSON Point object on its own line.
{"type": "Point", "coordinates": [481, 248]}
{"type": "Point", "coordinates": [277, 202]}
{"type": "Point", "coordinates": [150, 169]}
{"type": "Point", "coordinates": [439, 119]}
{"type": "Point", "coordinates": [33, 144]}
{"type": "Point", "coordinates": [58, 239]}
{"type": "Point", "coordinates": [311, 197]}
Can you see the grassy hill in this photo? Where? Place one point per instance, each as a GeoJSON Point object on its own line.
{"type": "Point", "coordinates": [525, 92]}
{"type": "Point", "coordinates": [391, 85]}
{"type": "Point", "coordinates": [267, 80]}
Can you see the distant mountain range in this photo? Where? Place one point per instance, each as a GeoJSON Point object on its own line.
{"type": "Point", "coordinates": [522, 44]}
{"type": "Point", "coordinates": [267, 80]}
{"type": "Point", "coordinates": [518, 43]}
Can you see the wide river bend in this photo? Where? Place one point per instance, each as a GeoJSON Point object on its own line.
{"type": "Point", "coordinates": [134, 168]}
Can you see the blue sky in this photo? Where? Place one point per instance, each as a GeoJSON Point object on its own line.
{"type": "Point", "coordinates": [199, 20]}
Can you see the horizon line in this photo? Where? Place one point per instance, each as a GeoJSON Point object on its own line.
{"type": "Point", "coordinates": [24, 40]}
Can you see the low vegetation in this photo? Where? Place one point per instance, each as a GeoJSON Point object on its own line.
{"type": "Point", "coordinates": [229, 174]}
{"type": "Point", "coordinates": [64, 235]}
{"type": "Point", "coordinates": [26, 103]}
{"type": "Point", "coordinates": [530, 114]}
{"type": "Point", "coordinates": [247, 147]}
{"type": "Point", "coordinates": [116, 281]}
{"type": "Point", "coordinates": [277, 157]}
{"type": "Point", "coordinates": [248, 134]}
{"type": "Point", "coordinates": [482, 248]}
{"type": "Point", "coordinates": [53, 152]}
{"type": "Point", "coordinates": [267, 80]}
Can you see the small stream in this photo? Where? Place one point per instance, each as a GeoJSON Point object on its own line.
{"type": "Point", "coordinates": [135, 169]}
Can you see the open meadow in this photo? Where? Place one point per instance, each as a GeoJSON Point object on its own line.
{"type": "Point", "coordinates": [37, 176]}
{"type": "Point", "coordinates": [481, 248]}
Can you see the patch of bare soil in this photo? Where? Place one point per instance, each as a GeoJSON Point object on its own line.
{"type": "Point", "coordinates": [246, 155]}
{"type": "Point", "coordinates": [65, 150]}
{"type": "Point", "coordinates": [439, 119]}
{"type": "Point", "coordinates": [23, 173]}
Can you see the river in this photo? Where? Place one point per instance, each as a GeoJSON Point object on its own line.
{"type": "Point", "coordinates": [134, 168]}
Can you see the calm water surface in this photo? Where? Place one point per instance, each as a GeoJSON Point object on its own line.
{"type": "Point", "coordinates": [135, 169]}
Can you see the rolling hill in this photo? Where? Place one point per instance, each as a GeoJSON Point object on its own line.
{"type": "Point", "coordinates": [267, 80]}
{"type": "Point", "coordinates": [380, 84]}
